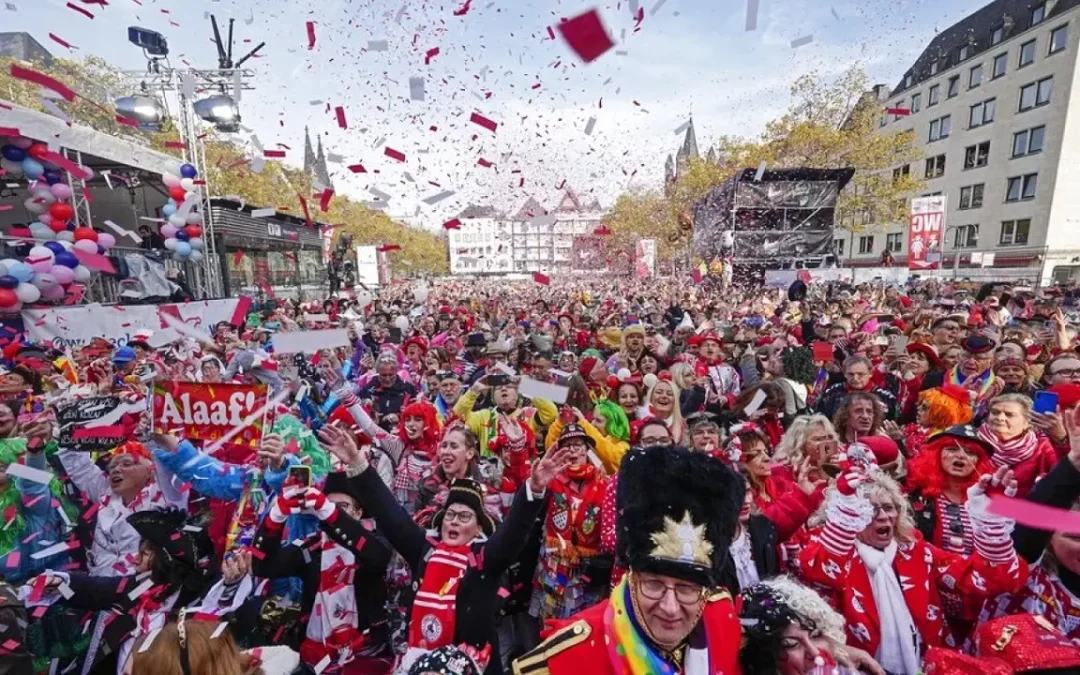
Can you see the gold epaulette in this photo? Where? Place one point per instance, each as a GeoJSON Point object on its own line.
{"type": "Point", "coordinates": [719, 595]}
{"type": "Point", "coordinates": [536, 661]}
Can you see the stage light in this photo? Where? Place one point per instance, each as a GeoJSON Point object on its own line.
{"type": "Point", "coordinates": [146, 110]}
{"type": "Point", "coordinates": [221, 111]}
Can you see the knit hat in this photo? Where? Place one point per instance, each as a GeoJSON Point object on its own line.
{"type": "Point", "coordinates": [467, 492]}
{"type": "Point", "coordinates": [572, 431]}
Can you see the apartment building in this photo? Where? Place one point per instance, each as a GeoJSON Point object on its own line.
{"type": "Point", "coordinates": [990, 101]}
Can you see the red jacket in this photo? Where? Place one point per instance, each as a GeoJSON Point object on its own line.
{"type": "Point", "coordinates": [785, 504]}
{"type": "Point", "coordinates": [1035, 467]}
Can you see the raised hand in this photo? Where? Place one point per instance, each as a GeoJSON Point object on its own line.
{"type": "Point", "coordinates": [235, 567]}
{"type": "Point", "coordinates": [545, 470]}
{"type": "Point", "coordinates": [341, 444]}
{"type": "Point", "coordinates": [1001, 482]}
{"type": "Point", "coordinates": [272, 451]}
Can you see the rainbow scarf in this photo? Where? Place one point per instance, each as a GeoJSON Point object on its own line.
{"type": "Point", "coordinates": [988, 380]}
{"type": "Point", "coordinates": [628, 650]}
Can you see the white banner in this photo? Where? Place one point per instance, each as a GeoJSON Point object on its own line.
{"type": "Point", "coordinates": [71, 326]}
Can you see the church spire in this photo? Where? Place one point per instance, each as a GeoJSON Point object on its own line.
{"type": "Point", "coordinates": [309, 153]}
{"type": "Point", "coordinates": [322, 174]}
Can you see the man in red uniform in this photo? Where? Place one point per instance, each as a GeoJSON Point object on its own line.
{"type": "Point", "coordinates": [677, 512]}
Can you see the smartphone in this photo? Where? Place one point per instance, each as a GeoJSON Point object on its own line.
{"type": "Point", "coordinates": [900, 343]}
{"type": "Point", "coordinates": [299, 475]}
{"type": "Point", "coordinates": [498, 380]}
{"type": "Point", "coordinates": [1045, 402]}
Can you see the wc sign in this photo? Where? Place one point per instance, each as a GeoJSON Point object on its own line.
{"type": "Point", "coordinates": [925, 231]}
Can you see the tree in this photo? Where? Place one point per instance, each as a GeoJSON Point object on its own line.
{"type": "Point", "coordinates": [645, 215]}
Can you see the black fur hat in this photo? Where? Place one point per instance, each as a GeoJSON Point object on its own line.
{"type": "Point", "coordinates": [676, 513]}
{"type": "Point", "coordinates": [183, 538]}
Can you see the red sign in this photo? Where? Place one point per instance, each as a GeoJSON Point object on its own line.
{"type": "Point", "coordinates": [206, 412]}
{"type": "Point", "coordinates": [925, 233]}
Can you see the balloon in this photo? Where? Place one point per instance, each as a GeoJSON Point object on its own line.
{"type": "Point", "coordinates": [67, 259]}
{"type": "Point", "coordinates": [193, 231]}
{"type": "Point", "coordinates": [63, 275]}
{"type": "Point", "coordinates": [188, 184]}
{"type": "Point", "coordinates": [13, 169]}
{"type": "Point", "coordinates": [82, 274]}
{"type": "Point", "coordinates": [22, 142]}
{"type": "Point", "coordinates": [168, 210]}
{"type": "Point", "coordinates": [43, 193]}
{"type": "Point", "coordinates": [61, 211]}
{"type": "Point", "coordinates": [67, 245]}
{"type": "Point", "coordinates": [183, 249]}
{"type": "Point", "coordinates": [196, 256]}
{"type": "Point", "coordinates": [13, 153]}
{"type": "Point", "coordinates": [194, 218]}
{"type": "Point", "coordinates": [106, 240]}
{"type": "Point", "coordinates": [8, 299]}
{"type": "Point", "coordinates": [86, 233]}
{"type": "Point", "coordinates": [8, 281]}
{"type": "Point", "coordinates": [170, 180]}
{"type": "Point", "coordinates": [178, 193]}
{"type": "Point", "coordinates": [20, 271]}
{"type": "Point", "coordinates": [28, 293]}
{"type": "Point", "coordinates": [58, 227]}
{"type": "Point", "coordinates": [34, 206]}
{"type": "Point", "coordinates": [182, 235]}
{"type": "Point", "coordinates": [6, 264]}
{"type": "Point", "coordinates": [420, 294]}
{"type": "Point", "coordinates": [196, 243]}
{"type": "Point", "coordinates": [61, 191]}
{"type": "Point", "coordinates": [179, 258]}
{"type": "Point", "coordinates": [363, 298]}
{"type": "Point", "coordinates": [40, 258]}
{"type": "Point", "coordinates": [188, 171]}
{"type": "Point", "coordinates": [55, 247]}
{"type": "Point", "coordinates": [41, 232]}
{"type": "Point", "coordinates": [52, 177]}
{"type": "Point", "coordinates": [86, 246]}
{"type": "Point", "coordinates": [53, 294]}
{"type": "Point", "coordinates": [65, 236]}
{"type": "Point", "coordinates": [177, 221]}
{"type": "Point", "coordinates": [32, 168]}
{"type": "Point", "coordinates": [45, 281]}
{"type": "Point", "coordinates": [168, 231]}
{"type": "Point", "coordinates": [170, 244]}
{"type": "Point", "coordinates": [37, 150]}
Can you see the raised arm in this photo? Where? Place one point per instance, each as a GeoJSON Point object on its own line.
{"type": "Point", "coordinates": [90, 480]}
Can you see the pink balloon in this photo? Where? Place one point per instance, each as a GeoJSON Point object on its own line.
{"type": "Point", "coordinates": [64, 275]}
{"type": "Point", "coordinates": [23, 142]}
{"type": "Point", "coordinates": [61, 191]}
{"type": "Point", "coordinates": [86, 246]}
{"type": "Point", "coordinates": [168, 231]}
{"type": "Point", "coordinates": [45, 218]}
{"type": "Point", "coordinates": [106, 240]}
{"type": "Point", "coordinates": [53, 294]}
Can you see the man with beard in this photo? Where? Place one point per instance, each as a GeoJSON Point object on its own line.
{"type": "Point", "coordinates": [725, 384]}
{"type": "Point", "coordinates": [449, 393]}
{"type": "Point", "coordinates": [387, 390]}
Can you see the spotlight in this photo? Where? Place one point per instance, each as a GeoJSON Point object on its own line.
{"type": "Point", "coordinates": [153, 42]}
{"type": "Point", "coordinates": [221, 111]}
{"type": "Point", "coordinates": [146, 110]}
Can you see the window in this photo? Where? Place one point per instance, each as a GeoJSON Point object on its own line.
{"type": "Point", "coordinates": [866, 244]}
{"type": "Point", "coordinates": [934, 95]}
{"type": "Point", "coordinates": [1058, 37]}
{"type": "Point", "coordinates": [1015, 232]}
{"type": "Point", "coordinates": [971, 197]}
{"type": "Point", "coordinates": [967, 236]}
{"type": "Point", "coordinates": [898, 104]}
{"type": "Point", "coordinates": [1028, 141]}
{"type": "Point", "coordinates": [1027, 53]}
{"type": "Point", "coordinates": [894, 242]}
{"type": "Point", "coordinates": [976, 156]}
{"type": "Point", "coordinates": [1036, 94]}
{"type": "Point", "coordinates": [982, 113]}
{"type": "Point", "coordinates": [997, 35]}
{"type": "Point", "coordinates": [916, 102]}
{"type": "Point", "coordinates": [900, 172]}
{"type": "Point", "coordinates": [954, 86]}
{"type": "Point", "coordinates": [1001, 64]}
{"type": "Point", "coordinates": [838, 246]}
{"type": "Point", "coordinates": [933, 68]}
{"type": "Point", "coordinates": [1021, 187]}
{"type": "Point", "coordinates": [1038, 14]}
{"type": "Point", "coordinates": [935, 166]}
{"type": "Point", "coordinates": [940, 128]}
{"type": "Point", "coordinates": [963, 53]}
{"type": "Point", "coordinates": [975, 76]}
{"type": "Point", "coordinates": [907, 83]}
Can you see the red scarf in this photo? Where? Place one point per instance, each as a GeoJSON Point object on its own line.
{"type": "Point", "coordinates": [435, 607]}
{"type": "Point", "coordinates": [586, 472]}
{"type": "Point", "coordinates": [1010, 453]}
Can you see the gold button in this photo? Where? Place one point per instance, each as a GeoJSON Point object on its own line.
{"type": "Point", "coordinates": [577, 630]}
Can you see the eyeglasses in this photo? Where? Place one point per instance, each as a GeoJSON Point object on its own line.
{"type": "Point", "coordinates": [887, 509]}
{"type": "Point", "coordinates": [1066, 372]}
{"type": "Point", "coordinates": [345, 506]}
{"type": "Point", "coordinates": [685, 593]}
{"type": "Point", "coordinates": [463, 517]}
{"type": "Point", "coordinates": [652, 442]}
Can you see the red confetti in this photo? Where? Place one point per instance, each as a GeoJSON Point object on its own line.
{"type": "Point", "coordinates": [324, 200]}
{"type": "Point", "coordinates": [307, 214]}
{"type": "Point", "coordinates": [551, 33]}
{"type": "Point", "coordinates": [340, 112]}
{"type": "Point", "coordinates": [127, 121]}
{"type": "Point", "coordinates": [696, 276]}
{"type": "Point", "coordinates": [464, 9]}
{"type": "Point", "coordinates": [237, 257]}
{"type": "Point", "coordinates": [310, 35]}
{"type": "Point", "coordinates": [9, 131]}
{"type": "Point", "coordinates": [394, 154]}
{"type": "Point", "coordinates": [66, 164]}
{"type": "Point", "coordinates": [6, 207]}
{"type": "Point", "coordinates": [60, 41]}
{"type": "Point", "coordinates": [176, 145]}
{"type": "Point", "coordinates": [13, 561]}
{"type": "Point", "coordinates": [586, 35]}
{"type": "Point", "coordinates": [484, 163]}
{"type": "Point", "coordinates": [42, 79]}
{"type": "Point", "coordinates": [357, 168]}
{"type": "Point", "coordinates": [541, 279]}
{"type": "Point", "coordinates": [477, 118]}
{"type": "Point", "coordinates": [431, 53]}
{"type": "Point", "coordinates": [386, 248]}
{"type": "Point", "coordinates": [80, 10]}
{"type": "Point", "coordinates": [900, 112]}
{"type": "Point", "coordinates": [273, 153]}
{"type": "Point", "coordinates": [560, 185]}
{"type": "Point", "coordinates": [536, 86]}
{"type": "Point", "coordinates": [453, 224]}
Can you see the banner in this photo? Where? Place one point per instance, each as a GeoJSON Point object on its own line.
{"type": "Point", "coordinates": [206, 412]}
{"type": "Point", "coordinates": [75, 326]}
{"type": "Point", "coordinates": [98, 422]}
{"type": "Point", "coordinates": [926, 229]}
{"type": "Point", "coordinates": [645, 258]}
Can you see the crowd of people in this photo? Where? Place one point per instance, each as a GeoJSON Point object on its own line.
{"type": "Point", "coordinates": [596, 475]}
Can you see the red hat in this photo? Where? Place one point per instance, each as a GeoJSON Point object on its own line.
{"type": "Point", "coordinates": [711, 337]}
{"type": "Point", "coordinates": [926, 350]}
{"type": "Point", "coordinates": [1068, 394]}
{"type": "Point", "coordinates": [587, 365]}
{"type": "Point", "coordinates": [418, 340]}
{"type": "Point", "coordinates": [695, 341]}
{"type": "Point", "coordinates": [956, 392]}
{"type": "Point", "coordinates": [884, 448]}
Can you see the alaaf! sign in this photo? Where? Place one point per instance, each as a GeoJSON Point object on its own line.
{"type": "Point", "coordinates": [206, 412]}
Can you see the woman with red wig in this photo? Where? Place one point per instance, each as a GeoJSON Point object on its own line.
{"type": "Point", "coordinates": [940, 408]}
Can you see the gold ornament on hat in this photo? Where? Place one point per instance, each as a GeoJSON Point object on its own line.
{"type": "Point", "coordinates": [682, 542]}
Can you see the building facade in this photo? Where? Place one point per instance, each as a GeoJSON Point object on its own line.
{"type": "Point", "coordinates": [989, 103]}
{"type": "Point", "coordinates": [23, 46]}
{"type": "Point", "coordinates": [482, 245]}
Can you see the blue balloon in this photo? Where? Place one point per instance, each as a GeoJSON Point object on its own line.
{"type": "Point", "coordinates": [168, 210]}
{"type": "Point", "coordinates": [32, 168]}
{"type": "Point", "coordinates": [182, 236]}
{"type": "Point", "coordinates": [183, 249]}
{"type": "Point", "coordinates": [13, 153]}
{"type": "Point", "coordinates": [55, 247]}
{"type": "Point", "coordinates": [8, 281]}
{"type": "Point", "coordinates": [21, 271]}
{"type": "Point", "coordinates": [53, 177]}
{"type": "Point", "coordinates": [188, 171]}
{"type": "Point", "coordinates": [65, 258]}
{"type": "Point", "coordinates": [71, 227]}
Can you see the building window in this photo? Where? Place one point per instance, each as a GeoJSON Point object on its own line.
{"type": "Point", "coordinates": [1058, 37]}
{"type": "Point", "coordinates": [898, 104]}
{"type": "Point", "coordinates": [894, 242]}
{"type": "Point", "coordinates": [975, 76]}
{"type": "Point", "coordinates": [1015, 232]}
{"type": "Point", "coordinates": [954, 86]}
{"type": "Point", "coordinates": [982, 113]}
{"type": "Point", "coordinates": [962, 53]}
{"type": "Point", "coordinates": [971, 197]}
{"type": "Point", "coordinates": [940, 128]}
{"type": "Point", "coordinates": [916, 102]}
{"type": "Point", "coordinates": [997, 35]}
{"type": "Point", "coordinates": [900, 172]}
{"type": "Point", "coordinates": [933, 68]}
{"type": "Point", "coordinates": [976, 156]}
{"type": "Point", "coordinates": [967, 236]}
{"type": "Point", "coordinates": [866, 244]}
{"type": "Point", "coordinates": [838, 246]}
{"type": "Point", "coordinates": [935, 166]}
{"type": "Point", "coordinates": [1027, 53]}
{"type": "Point", "coordinates": [907, 81]}
{"type": "Point", "coordinates": [934, 96]}
{"type": "Point", "coordinates": [1028, 141]}
{"type": "Point", "coordinates": [1036, 94]}
{"type": "Point", "coordinates": [1038, 14]}
{"type": "Point", "coordinates": [1001, 64]}
{"type": "Point", "coordinates": [1021, 187]}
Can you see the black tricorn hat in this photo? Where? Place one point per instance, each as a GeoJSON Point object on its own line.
{"type": "Point", "coordinates": [339, 482]}
{"type": "Point", "coordinates": [183, 538]}
{"type": "Point", "coordinates": [676, 512]}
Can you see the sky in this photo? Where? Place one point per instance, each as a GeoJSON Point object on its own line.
{"type": "Point", "coordinates": [497, 58]}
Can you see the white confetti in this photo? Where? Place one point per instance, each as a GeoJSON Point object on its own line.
{"type": "Point", "coordinates": [219, 630]}
{"type": "Point", "coordinates": [382, 196]}
{"type": "Point", "coordinates": [657, 6]}
{"type": "Point", "coordinates": [408, 177]}
{"type": "Point", "coordinates": [30, 473]}
{"type": "Point", "coordinates": [334, 158]}
{"type": "Point", "coordinates": [262, 213]}
{"type": "Point", "coordinates": [682, 127]}
{"type": "Point", "coordinates": [51, 551]}
{"type": "Point", "coordinates": [322, 665]}
{"type": "Point", "coordinates": [799, 42]}
{"type": "Point", "coordinates": [751, 14]}
{"type": "Point", "coordinates": [149, 639]}
{"type": "Point", "coordinates": [621, 52]}
{"type": "Point", "coordinates": [65, 591]}
{"type": "Point", "coordinates": [377, 45]}
{"type": "Point", "coordinates": [835, 15]}
{"type": "Point", "coordinates": [317, 101]}
{"type": "Point", "coordinates": [590, 126]}
{"type": "Point", "coordinates": [416, 88]}
{"type": "Point", "coordinates": [11, 7]}
{"type": "Point", "coordinates": [760, 172]}
{"type": "Point", "coordinates": [400, 13]}
{"type": "Point", "coordinates": [436, 198]}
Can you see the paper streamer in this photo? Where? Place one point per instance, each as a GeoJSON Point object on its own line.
{"type": "Point", "coordinates": [263, 213]}
{"type": "Point", "coordinates": [530, 388]}
{"type": "Point", "coordinates": [416, 88]}
{"type": "Point", "coordinates": [1039, 516]}
{"type": "Point", "coordinates": [30, 473]}
{"type": "Point", "coordinates": [310, 341]}
{"type": "Point", "coordinates": [590, 126]}
{"type": "Point", "coordinates": [751, 14]}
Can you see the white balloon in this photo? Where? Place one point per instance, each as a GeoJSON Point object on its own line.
{"type": "Point", "coordinates": [188, 184]}
{"type": "Point", "coordinates": [364, 299]}
{"type": "Point", "coordinates": [3, 270]}
{"type": "Point", "coordinates": [194, 218]}
{"type": "Point", "coordinates": [420, 294]}
{"type": "Point", "coordinates": [177, 221]}
{"type": "Point", "coordinates": [45, 281]}
{"type": "Point", "coordinates": [86, 246]}
{"type": "Point", "coordinates": [196, 244]}
{"type": "Point", "coordinates": [195, 256]}
{"type": "Point", "coordinates": [170, 244]}
{"type": "Point", "coordinates": [68, 246]}
{"type": "Point", "coordinates": [41, 232]}
{"type": "Point", "coordinates": [34, 206]}
{"type": "Point", "coordinates": [82, 274]}
{"type": "Point", "coordinates": [43, 193]}
{"type": "Point", "coordinates": [65, 236]}
{"type": "Point", "coordinates": [170, 180]}
{"type": "Point", "coordinates": [6, 264]}
{"type": "Point", "coordinates": [13, 169]}
{"type": "Point", "coordinates": [28, 293]}
{"type": "Point", "coordinates": [402, 323]}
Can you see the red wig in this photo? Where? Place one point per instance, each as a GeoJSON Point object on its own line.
{"type": "Point", "coordinates": [424, 410]}
{"type": "Point", "coordinates": [926, 475]}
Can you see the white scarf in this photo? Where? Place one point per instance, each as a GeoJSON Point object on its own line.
{"type": "Point", "coordinates": [743, 555]}
{"type": "Point", "coordinates": [899, 648]}
{"type": "Point", "coordinates": [333, 619]}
